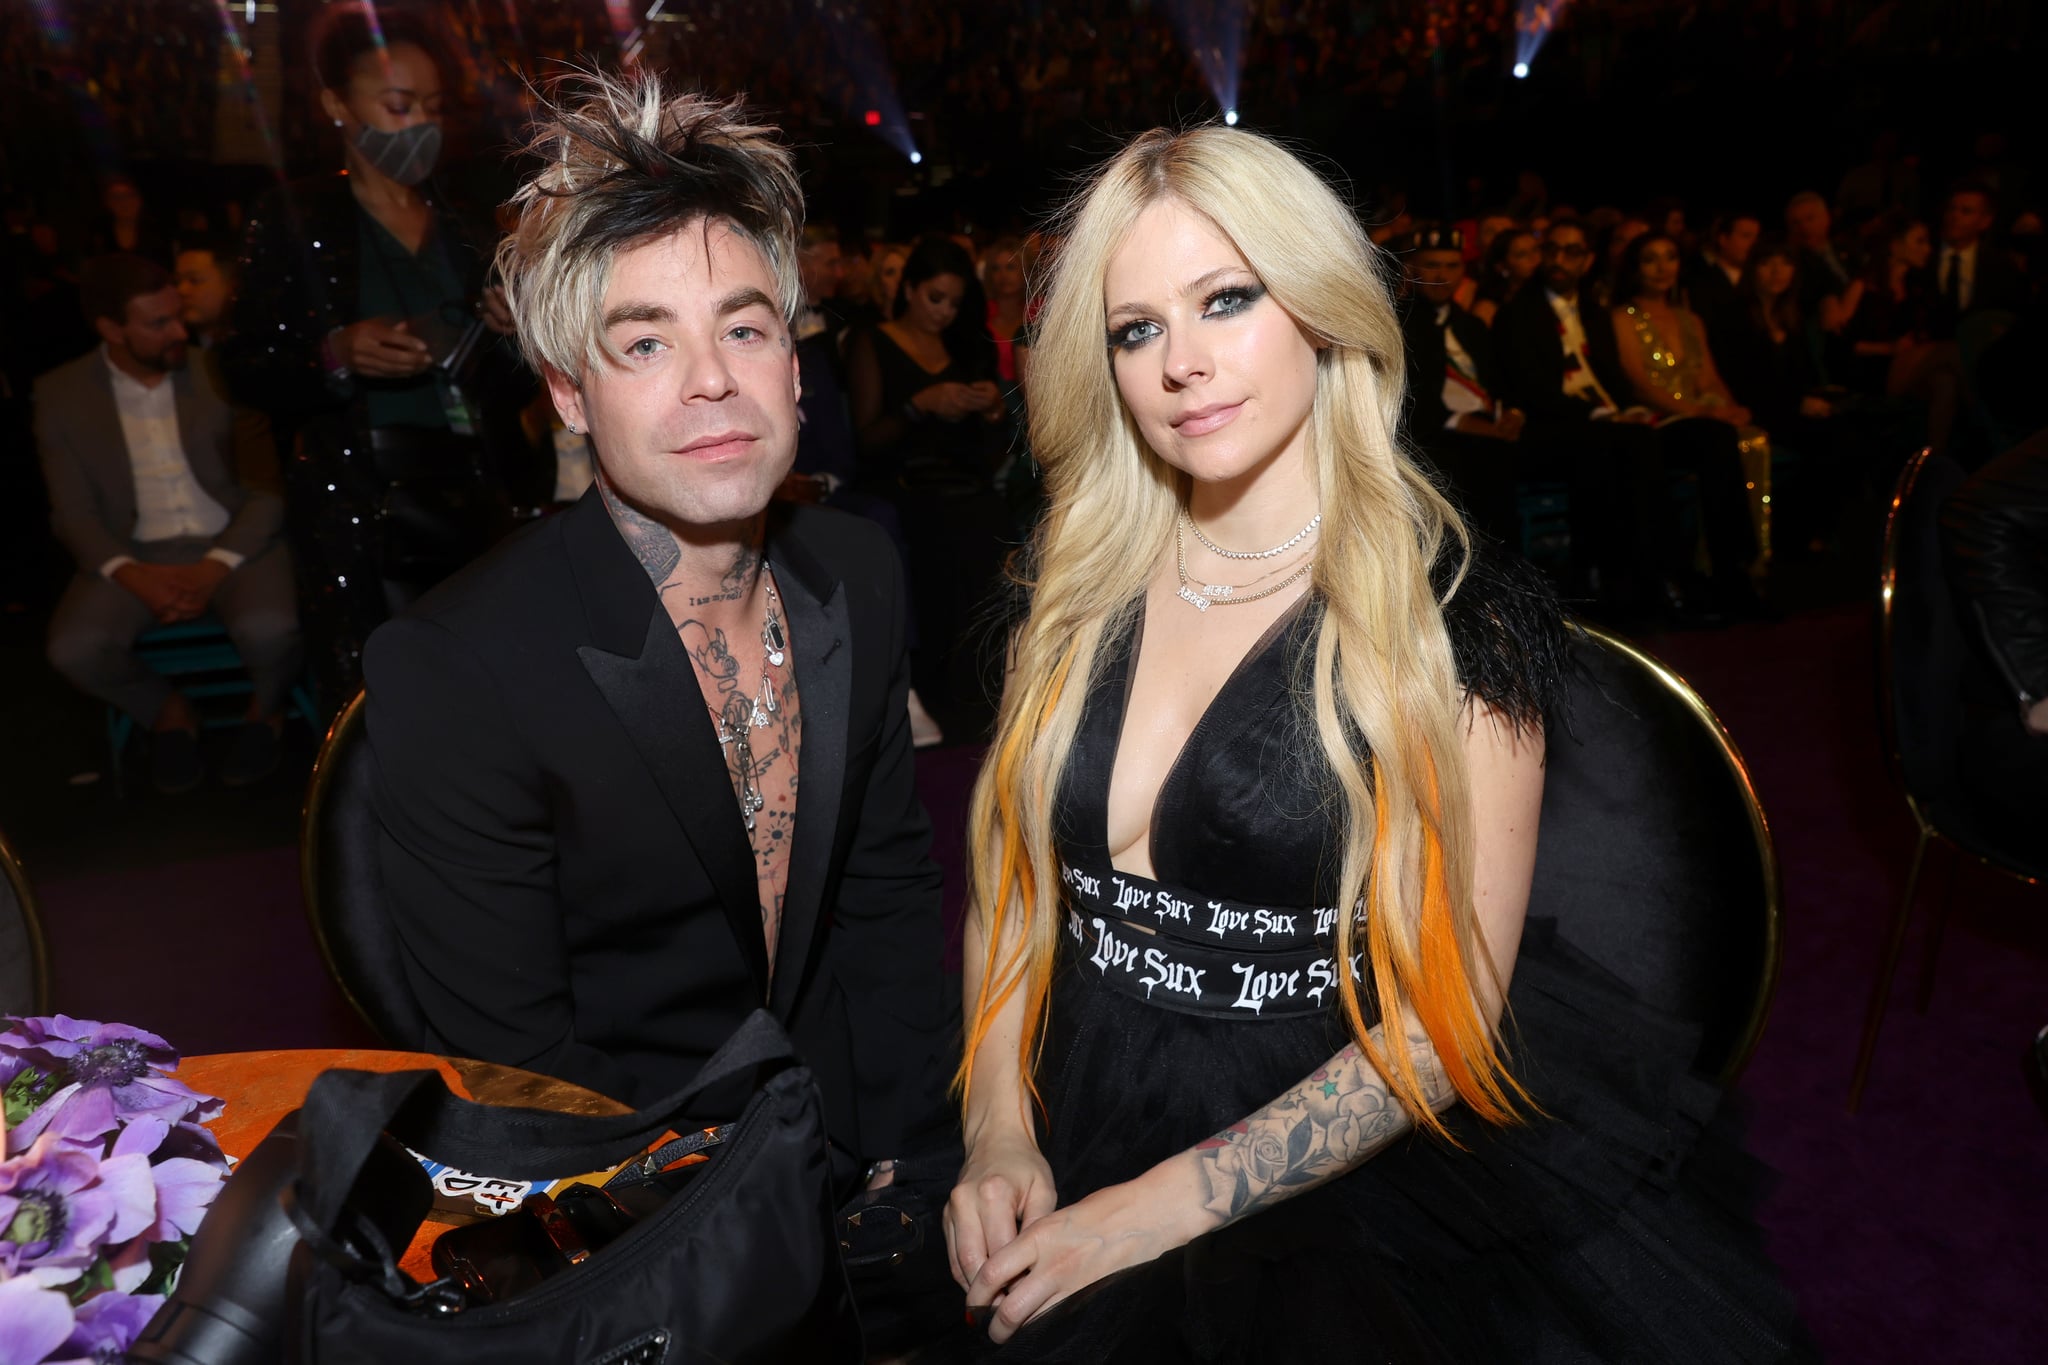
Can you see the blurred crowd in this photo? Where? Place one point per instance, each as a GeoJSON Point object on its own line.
{"type": "Point", "coordinates": [1657, 400]}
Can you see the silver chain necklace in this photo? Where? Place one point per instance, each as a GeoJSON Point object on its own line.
{"type": "Point", "coordinates": [1223, 594]}
{"type": "Point", "coordinates": [1213, 548]}
{"type": "Point", "coordinates": [774, 650]}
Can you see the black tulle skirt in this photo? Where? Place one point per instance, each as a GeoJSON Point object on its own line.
{"type": "Point", "coordinates": [1616, 1227]}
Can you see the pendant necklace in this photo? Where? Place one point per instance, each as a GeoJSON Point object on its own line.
{"type": "Point", "coordinates": [1229, 594]}
{"type": "Point", "coordinates": [774, 650]}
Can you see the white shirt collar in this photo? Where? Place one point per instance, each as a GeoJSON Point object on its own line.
{"type": "Point", "coordinates": [128, 382]}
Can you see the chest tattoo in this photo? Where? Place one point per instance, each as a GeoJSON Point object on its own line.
{"type": "Point", "coordinates": [758, 707]}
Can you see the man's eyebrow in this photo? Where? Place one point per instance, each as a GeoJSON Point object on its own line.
{"type": "Point", "coordinates": [1195, 286]}
{"type": "Point", "coordinates": [638, 312]}
{"type": "Point", "coordinates": [747, 297]}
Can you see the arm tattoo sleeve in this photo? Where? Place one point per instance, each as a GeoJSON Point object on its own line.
{"type": "Point", "coordinates": [1340, 1115]}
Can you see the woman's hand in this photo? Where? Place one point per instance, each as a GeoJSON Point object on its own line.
{"type": "Point", "coordinates": [988, 399]}
{"type": "Point", "coordinates": [1119, 1226]}
{"type": "Point", "coordinates": [378, 348]}
{"type": "Point", "coordinates": [949, 401]}
{"type": "Point", "coordinates": [496, 312]}
{"type": "Point", "coordinates": [1734, 414]}
{"type": "Point", "coordinates": [1005, 1186]}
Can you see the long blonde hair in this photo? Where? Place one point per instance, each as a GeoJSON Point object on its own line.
{"type": "Point", "coordinates": [1385, 698]}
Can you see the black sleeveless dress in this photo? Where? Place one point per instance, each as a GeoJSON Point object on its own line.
{"type": "Point", "coordinates": [1616, 1229]}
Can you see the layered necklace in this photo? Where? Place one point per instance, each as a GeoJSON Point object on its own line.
{"type": "Point", "coordinates": [1208, 595]}
{"type": "Point", "coordinates": [774, 651]}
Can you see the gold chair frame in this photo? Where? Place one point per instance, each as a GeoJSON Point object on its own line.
{"type": "Point", "coordinates": [345, 729]}
{"type": "Point", "coordinates": [32, 923]}
{"type": "Point", "coordinates": [1760, 829]}
{"type": "Point", "coordinates": [1926, 831]}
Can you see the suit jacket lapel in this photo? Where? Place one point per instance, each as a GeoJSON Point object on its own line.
{"type": "Point", "coordinates": [816, 605]}
{"type": "Point", "coordinates": [649, 685]}
{"type": "Point", "coordinates": [103, 446]}
{"type": "Point", "coordinates": [192, 433]}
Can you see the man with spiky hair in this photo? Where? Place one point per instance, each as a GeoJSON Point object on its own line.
{"type": "Point", "coordinates": [588, 745]}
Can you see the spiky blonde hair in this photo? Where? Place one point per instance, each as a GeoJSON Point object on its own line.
{"type": "Point", "coordinates": [623, 160]}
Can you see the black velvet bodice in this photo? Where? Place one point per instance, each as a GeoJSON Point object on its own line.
{"type": "Point", "coordinates": [1249, 810]}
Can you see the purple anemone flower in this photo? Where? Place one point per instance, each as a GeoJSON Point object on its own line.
{"type": "Point", "coordinates": [105, 1326]}
{"type": "Point", "coordinates": [34, 1321]}
{"type": "Point", "coordinates": [60, 1205]}
{"type": "Point", "coordinates": [188, 1172]}
{"type": "Point", "coordinates": [109, 1072]}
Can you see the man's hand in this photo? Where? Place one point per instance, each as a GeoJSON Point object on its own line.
{"type": "Point", "coordinates": [2037, 719]}
{"type": "Point", "coordinates": [157, 589]}
{"type": "Point", "coordinates": [173, 592]}
{"type": "Point", "coordinates": [379, 348]}
{"type": "Point", "coordinates": [198, 581]}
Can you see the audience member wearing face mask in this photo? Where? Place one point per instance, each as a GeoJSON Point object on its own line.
{"type": "Point", "coordinates": [364, 327]}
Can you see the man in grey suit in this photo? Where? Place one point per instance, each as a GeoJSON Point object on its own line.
{"type": "Point", "coordinates": [138, 450]}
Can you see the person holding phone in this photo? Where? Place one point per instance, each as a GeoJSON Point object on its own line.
{"type": "Point", "coordinates": [366, 330]}
{"type": "Point", "coordinates": [931, 426]}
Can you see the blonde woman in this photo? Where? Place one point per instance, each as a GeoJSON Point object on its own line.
{"type": "Point", "coordinates": [1262, 682]}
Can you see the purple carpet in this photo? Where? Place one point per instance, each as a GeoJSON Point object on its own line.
{"type": "Point", "coordinates": [1916, 1231]}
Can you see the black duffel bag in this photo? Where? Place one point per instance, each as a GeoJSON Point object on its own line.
{"type": "Point", "coordinates": [741, 1264]}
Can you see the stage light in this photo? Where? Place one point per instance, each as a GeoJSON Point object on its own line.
{"type": "Point", "coordinates": [917, 158]}
{"type": "Point", "coordinates": [1230, 117]}
{"type": "Point", "coordinates": [1534, 21]}
{"type": "Point", "coordinates": [1213, 33]}
{"type": "Point", "coordinates": [873, 118]}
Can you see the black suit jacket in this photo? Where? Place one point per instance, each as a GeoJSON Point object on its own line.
{"type": "Point", "coordinates": [1717, 303]}
{"type": "Point", "coordinates": [1529, 355]}
{"type": "Point", "coordinates": [1427, 357]}
{"type": "Point", "coordinates": [564, 857]}
{"type": "Point", "coordinates": [1999, 287]}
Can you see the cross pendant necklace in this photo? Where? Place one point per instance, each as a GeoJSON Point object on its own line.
{"type": "Point", "coordinates": [764, 706]}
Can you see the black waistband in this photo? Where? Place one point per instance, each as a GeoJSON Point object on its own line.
{"type": "Point", "coordinates": [1200, 955]}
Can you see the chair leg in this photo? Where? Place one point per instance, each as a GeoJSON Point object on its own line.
{"type": "Point", "coordinates": [119, 730]}
{"type": "Point", "coordinates": [1880, 995]}
{"type": "Point", "coordinates": [1931, 954]}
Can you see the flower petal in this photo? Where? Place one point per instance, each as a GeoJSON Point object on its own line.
{"type": "Point", "coordinates": [106, 1325]}
{"type": "Point", "coordinates": [129, 1183]}
{"type": "Point", "coordinates": [33, 1321]}
{"type": "Point", "coordinates": [142, 1136]}
{"type": "Point", "coordinates": [185, 1189]}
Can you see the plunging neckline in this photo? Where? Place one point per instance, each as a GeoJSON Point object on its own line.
{"type": "Point", "coordinates": [905, 352]}
{"type": "Point", "coordinates": [1281, 627]}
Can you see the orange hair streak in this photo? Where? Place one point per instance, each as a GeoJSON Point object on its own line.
{"type": "Point", "coordinates": [1015, 884]}
{"type": "Point", "coordinates": [1434, 978]}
